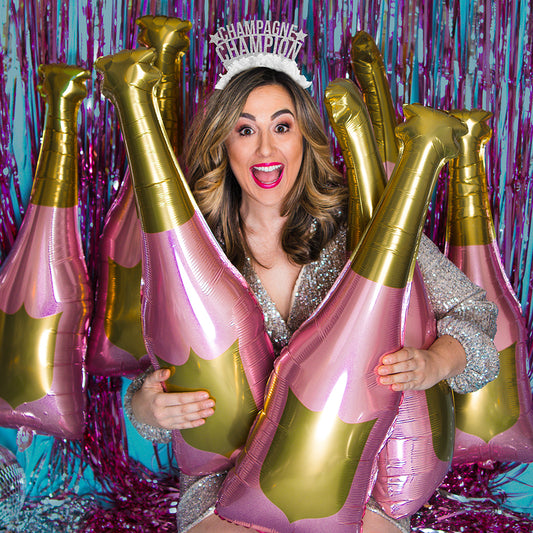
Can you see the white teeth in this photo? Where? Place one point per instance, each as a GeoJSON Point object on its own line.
{"type": "Point", "coordinates": [268, 169]}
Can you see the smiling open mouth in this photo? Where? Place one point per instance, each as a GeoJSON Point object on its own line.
{"type": "Point", "coordinates": [267, 176]}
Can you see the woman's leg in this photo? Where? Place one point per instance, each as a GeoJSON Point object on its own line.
{"type": "Point", "coordinates": [375, 523]}
{"type": "Point", "coordinates": [214, 524]}
{"type": "Point", "coordinates": [372, 523]}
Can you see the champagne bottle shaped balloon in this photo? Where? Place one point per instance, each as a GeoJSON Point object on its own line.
{"type": "Point", "coordinates": [308, 462]}
{"type": "Point", "coordinates": [418, 452]}
{"type": "Point", "coordinates": [496, 422]}
{"type": "Point", "coordinates": [369, 70]}
{"type": "Point", "coordinates": [198, 314]}
{"type": "Point", "coordinates": [45, 296]}
{"type": "Point", "coordinates": [116, 345]}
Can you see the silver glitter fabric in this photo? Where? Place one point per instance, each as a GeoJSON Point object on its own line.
{"type": "Point", "coordinates": [311, 287]}
{"type": "Point", "coordinates": [464, 313]}
{"type": "Point", "coordinates": [198, 497]}
{"type": "Point", "coordinates": [12, 487]}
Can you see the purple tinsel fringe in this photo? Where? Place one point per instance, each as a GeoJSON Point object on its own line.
{"type": "Point", "coordinates": [134, 498]}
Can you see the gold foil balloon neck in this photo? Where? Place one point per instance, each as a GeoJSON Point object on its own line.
{"type": "Point", "coordinates": [168, 35]}
{"type": "Point", "coordinates": [128, 69]}
{"type": "Point", "coordinates": [364, 48]}
{"type": "Point", "coordinates": [63, 87]}
{"type": "Point", "coordinates": [364, 171]}
{"type": "Point", "coordinates": [56, 175]}
{"type": "Point", "coordinates": [425, 125]}
{"type": "Point", "coordinates": [340, 96]}
{"type": "Point", "coordinates": [476, 121]}
{"type": "Point", "coordinates": [479, 133]}
{"type": "Point", "coordinates": [369, 69]}
{"type": "Point", "coordinates": [429, 138]}
{"type": "Point", "coordinates": [469, 214]}
{"type": "Point", "coordinates": [61, 81]}
{"type": "Point", "coordinates": [162, 194]}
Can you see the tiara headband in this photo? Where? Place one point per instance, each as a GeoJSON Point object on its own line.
{"type": "Point", "coordinates": [259, 43]}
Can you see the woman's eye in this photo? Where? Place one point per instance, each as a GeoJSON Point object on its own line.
{"type": "Point", "coordinates": [245, 130]}
{"type": "Point", "coordinates": [282, 128]}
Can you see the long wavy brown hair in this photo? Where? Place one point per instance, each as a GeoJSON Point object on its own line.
{"type": "Point", "coordinates": [315, 206]}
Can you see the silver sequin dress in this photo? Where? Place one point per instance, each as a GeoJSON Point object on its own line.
{"type": "Point", "coordinates": [461, 309]}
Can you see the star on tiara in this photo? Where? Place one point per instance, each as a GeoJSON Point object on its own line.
{"type": "Point", "coordinates": [259, 43]}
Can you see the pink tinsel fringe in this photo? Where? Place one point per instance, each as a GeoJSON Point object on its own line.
{"type": "Point", "coordinates": [468, 501]}
{"type": "Point", "coordinates": [134, 498]}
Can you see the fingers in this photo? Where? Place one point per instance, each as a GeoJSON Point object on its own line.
{"type": "Point", "coordinates": [170, 410]}
{"type": "Point", "coordinates": [402, 370]}
{"type": "Point", "coordinates": [412, 369]}
{"type": "Point", "coordinates": [397, 382]}
{"type": "Point", "coordinates": [400, 361]}
{"type": "Point", "coordinates": [190, 415]}
{"type": "Point", "coordinates": [182, 410]}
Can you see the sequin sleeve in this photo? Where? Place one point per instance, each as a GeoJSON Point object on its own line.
{"type": "Point", "coordinates": [152, 433]}
{"type": "Point", "coordinates": [463, 312]}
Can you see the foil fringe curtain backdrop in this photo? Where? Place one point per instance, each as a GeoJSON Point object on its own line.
{"type": "Point", "coordinates": [444, 53]}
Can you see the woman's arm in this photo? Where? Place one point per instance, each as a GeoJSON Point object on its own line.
{"type": "Point", "coordinates": [464, 353]}
{"type": "Point", "coordinates": [411, 368]}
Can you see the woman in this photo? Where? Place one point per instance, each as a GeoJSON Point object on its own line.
{"type": "Point", "coordinates": [259, 166]}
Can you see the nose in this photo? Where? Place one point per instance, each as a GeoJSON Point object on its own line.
{"type": "Point", "coordinates": [265, 146]}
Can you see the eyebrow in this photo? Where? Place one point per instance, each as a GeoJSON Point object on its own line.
{"type": "Point", "coordinates": [281, 112]}
{"type": "Point", "coordinates": [273, 117]}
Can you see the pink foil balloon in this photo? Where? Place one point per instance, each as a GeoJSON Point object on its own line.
{"type": "Point", "coordinates": [45, 296]}
{"type": "Point", "coordinates": [198, 314]}
{"type": "Point", "coordinates": [408, 469]}
{"type": "Point", "coordinates": [116, 344]}
{"type": "Point", "coordinates": [418, 453]}
{"type": "Point", "coordinates": [308, 462]}
{"type": "Point", "coordinates": [496, 422]}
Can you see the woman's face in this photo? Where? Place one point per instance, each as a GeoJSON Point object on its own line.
{"type": "Point", "coordinates": [265, 148]}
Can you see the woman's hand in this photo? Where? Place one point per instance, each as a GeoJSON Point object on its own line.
{"type": "Point", "coordinates": [170, 410]}
{"type": "Point", "coordinates": [414, 369]}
